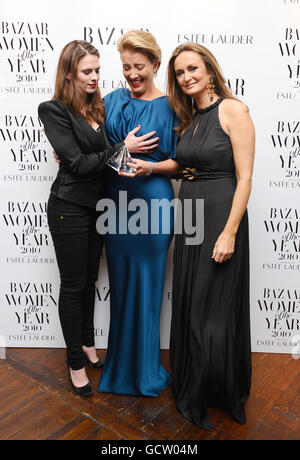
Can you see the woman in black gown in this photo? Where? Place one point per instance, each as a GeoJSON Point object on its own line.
{"type": "Point", "coordinates": [210, 349]}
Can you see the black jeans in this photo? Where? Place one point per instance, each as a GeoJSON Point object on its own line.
{"type": "Point", "coordinates": [78, 248]}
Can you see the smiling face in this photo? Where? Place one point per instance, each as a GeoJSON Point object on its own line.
{"type": "Point", "coordinates": [87, 76]}
{"type": "Point", "coordinates": [192, 75]}
{"type": "Point", "coordinates": [139, 72]}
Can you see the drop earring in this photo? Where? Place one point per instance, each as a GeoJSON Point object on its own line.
{"type": "Point", "coordinates": [211, 89]}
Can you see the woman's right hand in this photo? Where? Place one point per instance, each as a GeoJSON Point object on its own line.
{"type": "Point", "coordinates": [56, 157]}
{"type": "Point", "coordinates": [141, 144]}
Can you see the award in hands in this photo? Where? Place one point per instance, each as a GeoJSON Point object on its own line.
{"type": "Point", "coordinates": [120, 159]}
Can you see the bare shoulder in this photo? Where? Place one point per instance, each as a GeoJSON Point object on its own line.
{"type": "Point", "coordinates": [233, 107]}
{"type": "Point", "coordinates": [233, 113]}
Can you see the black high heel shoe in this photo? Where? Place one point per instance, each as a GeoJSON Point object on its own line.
{"type": "Point", "coordinates": [98, 365]}
{"type": "Point", "coordinates": [239, 415]}
{"type": "Point", "coordinates": [85, 392]}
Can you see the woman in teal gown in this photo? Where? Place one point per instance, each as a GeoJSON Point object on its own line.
{"type": "Point", "coordinates": [137, 262]}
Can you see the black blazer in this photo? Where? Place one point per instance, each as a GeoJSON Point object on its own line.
{"type": "Point", "coordinates": [82, 150]}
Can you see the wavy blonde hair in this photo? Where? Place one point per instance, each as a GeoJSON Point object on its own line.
{"type": "Point", "coordinates": [180, 102]}
{"type": "Point", "coordinates": [92, 106]}
{"type": "Point", "coordinates": [143, 42]}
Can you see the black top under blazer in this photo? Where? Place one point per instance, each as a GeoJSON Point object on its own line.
{"type": "Point", "coordinates": [83, 153]}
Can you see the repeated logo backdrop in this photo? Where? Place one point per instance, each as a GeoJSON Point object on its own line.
{"type": "Point", "coordinates": [257, 43]}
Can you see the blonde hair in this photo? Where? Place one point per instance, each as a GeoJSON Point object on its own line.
{"type": "Point", "coordinates": [65, 89]}
{"type": "Point", "coordinates": [180, 102]}
{"type": "Point", "coordinates": [143, 42]}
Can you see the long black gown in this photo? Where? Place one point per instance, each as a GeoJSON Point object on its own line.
{"type": "Point", "coordinates": [210, 349]}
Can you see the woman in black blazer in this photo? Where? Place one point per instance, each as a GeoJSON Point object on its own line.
{"type": "Point", "coordinates": [74, 124]}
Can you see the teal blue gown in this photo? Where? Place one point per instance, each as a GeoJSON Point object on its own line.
{"type": "Point", "coordinates": [137, 262]}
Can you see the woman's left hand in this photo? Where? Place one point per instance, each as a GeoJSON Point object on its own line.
{"type": "Point", "coordinates": [142, 167]}
{"type": "Point", "coordinates": [224, 247]}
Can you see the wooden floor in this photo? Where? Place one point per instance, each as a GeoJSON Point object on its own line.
{"type": "Point", "coordinates": [36, 402]}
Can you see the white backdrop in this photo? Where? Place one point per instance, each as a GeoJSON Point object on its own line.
{"type": "Point", "coordinates": [257, 43]}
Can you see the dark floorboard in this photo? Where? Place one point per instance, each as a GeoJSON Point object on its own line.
{"type": "Point", "coordinates": [37, 402]}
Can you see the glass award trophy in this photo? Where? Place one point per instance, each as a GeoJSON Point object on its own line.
{"type": "Point", "coordinates": [119, 161]}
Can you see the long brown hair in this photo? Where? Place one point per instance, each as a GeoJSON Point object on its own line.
{"type": "Point", "coordinates": [180, 102]}
{"type": "Point", "coordinates": [90, 106]}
